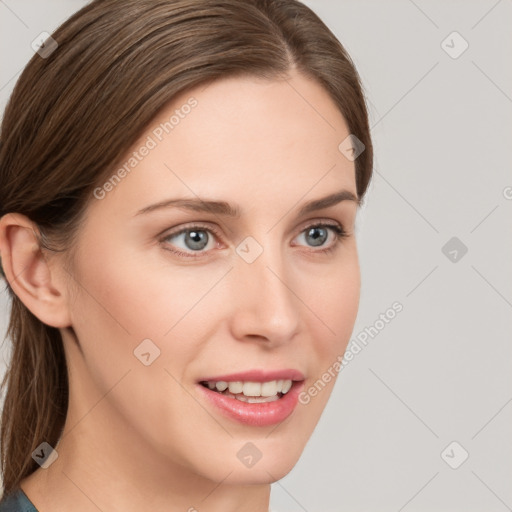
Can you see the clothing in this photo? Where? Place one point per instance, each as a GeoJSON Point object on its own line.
{"type": "Point", "coordinates": [17, 501]}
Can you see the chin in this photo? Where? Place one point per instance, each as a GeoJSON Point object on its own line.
{"type": "Point", "coordinates": [260, 474]}
{"type": "Point", "coordinates": [275, 461]}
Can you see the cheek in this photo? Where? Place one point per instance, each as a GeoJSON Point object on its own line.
{"type": "Point", "coordinates": [131, 296]}
{"type": "Point", "coordinates": [335, 302]}
{"type": "Point", "coordinates": [334, 299]}
{"type": "Point", "coordinates": [136, 293]}
{"type": "Point", "coordinates": [342, 309]}
{"type": "Point", "coordinates": [122, 301]}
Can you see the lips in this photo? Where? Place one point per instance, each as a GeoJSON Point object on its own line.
{"type": "Point", "coordinates": [250, 413]}
{"type": "Point", "coordinates": [257, 376]}
{"type": "Point", "coordinates": [261, 397]}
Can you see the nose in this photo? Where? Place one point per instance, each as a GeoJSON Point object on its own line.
{"type": "Point", "coordinates": [265, 305]}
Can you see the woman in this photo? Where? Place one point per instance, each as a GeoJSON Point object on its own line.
{"type": "Point", "coordinates": [178, 198]}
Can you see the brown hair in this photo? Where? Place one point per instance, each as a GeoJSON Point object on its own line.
{"type": "Point", "coordinates": [75, 113]}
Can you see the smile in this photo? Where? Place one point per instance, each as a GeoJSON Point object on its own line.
{"type": "Point", "coordinates": [254, 398]}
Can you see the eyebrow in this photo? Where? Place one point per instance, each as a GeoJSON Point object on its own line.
{"type": "Point", "coordinates": [229, 210]}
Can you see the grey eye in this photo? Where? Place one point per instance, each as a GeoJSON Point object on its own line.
{"type": "Point", "coordinates": [317, 235]}
{"type": "Point", "coordinates": [194, 239]}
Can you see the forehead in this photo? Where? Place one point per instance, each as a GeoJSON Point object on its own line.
{"type": "Point", "coordinates": [243, 137]}
{"type": "Point", "coordinates": [248, 116]}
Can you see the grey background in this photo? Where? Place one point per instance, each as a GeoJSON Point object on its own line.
{"type": "Point", "coordinates": [440, 370]}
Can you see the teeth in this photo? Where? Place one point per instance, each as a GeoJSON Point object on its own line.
{"type": "Point", "coordinates": [287, 384]}
{"type": "Point", "coordinates": [269, 388]}
{"type": "Point", "coordinates": [236, 387]}
{"type": "Point", "coordinates": [221, 385]}
{"type": "Point", "coordinates": [252, 389]}
{"type": "Point", "coordinates": [256, 399]}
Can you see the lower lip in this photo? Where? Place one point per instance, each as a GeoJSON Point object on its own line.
{"type": "Point", "coordinates": [259, 415]}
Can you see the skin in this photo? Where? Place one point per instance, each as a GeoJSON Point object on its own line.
{"type": "Point", "coordinates": [141, 437]}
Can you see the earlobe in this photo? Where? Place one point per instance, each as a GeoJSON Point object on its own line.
{"type": "Point", "coordinates": [28, 273]}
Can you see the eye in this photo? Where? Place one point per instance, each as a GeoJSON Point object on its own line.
{"type": "Point", "coordinates": [317, 234]}
{"type": "Point", "coordinates": [195, 238]}
{"type": "Point", "coordinates": [200, 239]}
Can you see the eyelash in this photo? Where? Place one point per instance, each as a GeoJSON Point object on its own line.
{"type": "Point", "coordinates": [339, 233]}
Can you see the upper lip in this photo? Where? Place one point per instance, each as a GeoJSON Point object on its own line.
{"type": "Point", "coordinates": [258, 376]}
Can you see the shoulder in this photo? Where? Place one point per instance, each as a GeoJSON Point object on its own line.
{"type": "Point", "coordinates": [17, 501]}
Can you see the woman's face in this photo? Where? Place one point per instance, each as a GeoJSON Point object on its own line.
{"type": "Point", "coordinates": [163, 298]}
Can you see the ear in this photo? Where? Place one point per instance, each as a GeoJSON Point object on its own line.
{"type": "Point", "coordinates": [28, 272]}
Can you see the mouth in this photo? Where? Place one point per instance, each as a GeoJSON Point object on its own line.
{"type": "Point", "coordinates": [256, 402]}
